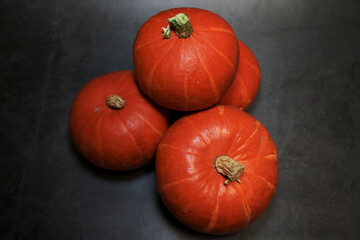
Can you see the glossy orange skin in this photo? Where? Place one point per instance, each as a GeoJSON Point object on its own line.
{"type": "Point", "coordinates": [194, 191]}
{"type": "Point", "coordinates": [246, 84]}
{"type": "Point", "coordinates": [186, 74]}
{"type": "Point", "coordinates": [116, 139]}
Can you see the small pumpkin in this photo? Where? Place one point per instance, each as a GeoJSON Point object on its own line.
{"type": "Point", "coordinates": [190, 64]}
{"type": "Point", "coordinates": [217, 169]}
{"type": "Point", "coordinates": [245, 86]}
{"type": "Point", "coordinates": [114, 125]}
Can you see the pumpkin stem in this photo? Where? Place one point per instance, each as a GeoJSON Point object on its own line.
{"type": "Point", "coordinates": [181, 24]}
{"type": "Point", "coordinates": [229, 168]}
{"type": "Point", "coordinates": [116, 102]}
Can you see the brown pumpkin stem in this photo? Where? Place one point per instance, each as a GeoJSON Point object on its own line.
{"type": "Point", "coordinates": [229, 168]}
{"type": "Point", "coordinates": [116, 102]}
{"type": "Point", "coordinates": [181, 25]}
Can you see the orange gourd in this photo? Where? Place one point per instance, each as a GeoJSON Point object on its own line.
{"type": "Point", "coordinates": [245, 86]}
{"type": "Point", "coordinates": [189, 65]}
{"type": "Point", "coordinates": [217, 169]}
{"type": "Point", "coordinates": [114, 125]}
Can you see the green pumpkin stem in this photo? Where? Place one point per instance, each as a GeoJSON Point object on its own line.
{"type": "Point", "coordinates": [181, 25]}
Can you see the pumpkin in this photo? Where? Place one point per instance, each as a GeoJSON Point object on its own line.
{"type": "Point", "coordinates": [245, 86]}
{"type": "Point", "coordinates": [114, 125]}
{"type": "Point", "coordinates": [190, 64]}
{"type": "Point", "coordinates": [216, 170]}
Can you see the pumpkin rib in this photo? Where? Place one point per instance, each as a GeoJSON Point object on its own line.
{"type": "Point", "coordinates": [206, 141]}
{"type": "Point", "coordinates": [99, 134]}
{"type": "Point", "coordinates": [92, 113]}
{"type": "Point", "coordinates": [188, 207]}
{"type": "Point", "coordinates": [247, 160]}
{"type": "Point", "coordinates": [186, 92]}
{"type": "Point", "coordinates": [140, 116]}
{"type": "Point", "coordinates": [151, 41]}
{"type": "Point", "coordinates": [253, 66]}
{"type": "Point", "coordinates": [241, 157]}
{"type": "Point", "coordinates": [162, 145]}
{"type": "Point", "coordinates": [248, 211]}
{"type": "Point", "coordinates": [271, 156]}
{"type": "Point", "coordinates": [216, 29]}
{"type": "Point", "coordinates": [221, 113]}
{"type": "Point", "coordinates": [133, 139]}
{"type": "Point", "coordinates": [211, 78]}
{"type": "Point", "coordinates": [88, 143]}
{"type": "Point", "coordinates": [250, 65]}
{"type": "Point", "coordinates": [99, 85]}
{"type": "Point", "coordinates": [167, 186]}
{"type": "Point", "coordinates": [154, 18]}
{"type": "Point", "coordinates": [257, 123]}
{"type": "Point", "coordinates": [188, 11]}
{"type": "Point", "coordinates": [111, 90]}
{"type": "Point", "coordinates": [238, 139]}
{"type": "Point", "coordinates": [170, 12]}
{"type": "Point", "coordinates": [214, 215]}
{"type": "Point", "coordinates": [151, 74]}
{"type": "Point", "coordinates": [217, 51]}
{"type": "Point", "coordinates": [271, 186]}
{"type": "Point", "coordinates": [245, 205]}
{"type": "Point", "coordinates": [244, 91]}
{"type": "Point", "coordinates": [83, 124]}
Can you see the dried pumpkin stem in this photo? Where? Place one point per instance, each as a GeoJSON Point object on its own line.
{"type": "Point", "coordinates": [181, 25]}
{"type": "Point", "coordinates": [229, 168]}
{"type": "Point", "coordinates": [116, 102]}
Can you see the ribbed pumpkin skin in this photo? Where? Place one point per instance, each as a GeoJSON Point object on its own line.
{"type": "Point", "coordinates": [246, 84]}
{"type": "Point", "coordinates": [116, 139]}
{"type": "Point", "coordinates": [191, 187]}
{"type": "Point", "coordinates": [186, 74]}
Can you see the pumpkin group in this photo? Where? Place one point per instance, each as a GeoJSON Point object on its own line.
{"type": "Point", "coordinates": [216, 166]}
{"type": "Point", "coordinates": [216, 170]}
{"type": "Point", "coordinates": [114, 125]}
{"type": "Point", "coordinates": [186, 73]}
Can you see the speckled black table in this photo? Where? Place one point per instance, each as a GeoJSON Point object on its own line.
{"type": "Point", "coordinates": [309, 100]}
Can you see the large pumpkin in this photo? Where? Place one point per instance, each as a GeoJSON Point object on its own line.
{"type": "Point", "coordinates": [216, 170]}
{"type": "Point", "coordinates": [114, 125]}
{"type": "Point", "coordinates": [245, 86]}
{"type": "Point", "coordinates": [189, 65]}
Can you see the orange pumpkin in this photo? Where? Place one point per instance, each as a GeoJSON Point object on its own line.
{"type": "Point", "coordinates": [192, 65]}
{"type": "Point", "coordinates": [114, 125]}
{"type": "Point", "coordinates": [216, 170]}
{"type": "Point", "coordinates": [246, 84]}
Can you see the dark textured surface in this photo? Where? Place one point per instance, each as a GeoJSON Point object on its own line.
{"type": "Point", "coordinates": [309, 100]}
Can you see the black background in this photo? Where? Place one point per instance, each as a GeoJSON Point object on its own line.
{"type": "Point", "coordinates": [309, 99]}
